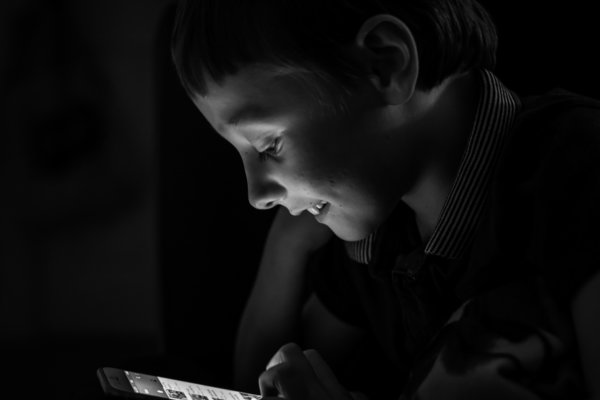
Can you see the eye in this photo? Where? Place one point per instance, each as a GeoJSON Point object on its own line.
{"type": "Point", "coordinates": [271, 151]}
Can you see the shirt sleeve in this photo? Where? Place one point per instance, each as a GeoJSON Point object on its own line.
{"type": "Point", "coordinates": [332, 279]}
{"type": "Point", "coordinates": [567, 204]}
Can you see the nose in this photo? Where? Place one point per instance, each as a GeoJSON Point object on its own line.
{"type": "Point", "coordinates": [263, 192]}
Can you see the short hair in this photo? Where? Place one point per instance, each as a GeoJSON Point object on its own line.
{"type": "Point", "coordinates": [215, 38]}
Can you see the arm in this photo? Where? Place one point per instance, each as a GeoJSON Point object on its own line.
{"type": "Point", "coordinates": [330, 336]}
{"type": "Point", "coordinates": [294, 374]}
{"type": "Point", "coordinates": [586, 316]}
{"type": "Point", "coordinates": [273, 312]}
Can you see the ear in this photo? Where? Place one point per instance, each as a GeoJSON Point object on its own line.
{"type": "Point", "coordinates": [388, 51]}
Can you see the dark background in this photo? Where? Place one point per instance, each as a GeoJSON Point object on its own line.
{"type": "Point", "coordinates": [125, 235]}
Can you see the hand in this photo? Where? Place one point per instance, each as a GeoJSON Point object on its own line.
{"type": "Point", "coordinates": [300, 233]}
{"type": "Point", "coordinates": [294, 374]}
{"type": "Point", "coordinates": [273, 313]}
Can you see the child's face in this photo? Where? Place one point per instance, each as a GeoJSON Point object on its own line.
{"type": "Point", "coordinates": [341, 167]}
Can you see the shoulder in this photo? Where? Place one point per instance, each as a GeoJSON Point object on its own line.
{"type": "Point", "coordinates": [558, 129]}
{"type": "Point", "coordinates": [557, 113]}
{"type": "Point", "coordinates": [545, 196]}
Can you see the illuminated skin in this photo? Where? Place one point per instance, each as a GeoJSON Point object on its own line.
{"type": "Point", "coordinates": [298, 153]}
{"type": "Point", "coordinates": [393, 141]}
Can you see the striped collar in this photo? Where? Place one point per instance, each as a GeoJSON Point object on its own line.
{"type": "Point", "coordinates": [496, 112]}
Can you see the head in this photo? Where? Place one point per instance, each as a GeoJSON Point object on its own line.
{"type": "Point", "coordinates": [321, 98]}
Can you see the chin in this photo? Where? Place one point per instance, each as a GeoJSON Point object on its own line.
{"type": "Point", "coordinates": [350, 233]}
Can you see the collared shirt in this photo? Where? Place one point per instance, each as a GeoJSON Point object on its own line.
{"type": "Point", "coordinates": [496, 112]}
{"type": "Point", "coordinates": [497, 321]}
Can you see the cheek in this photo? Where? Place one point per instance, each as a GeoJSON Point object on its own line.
{"type": "Point", "coordinates": [323, 156]}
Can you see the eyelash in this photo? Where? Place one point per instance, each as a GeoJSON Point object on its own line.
{"type": "Point", "coordinates": [270, 152]}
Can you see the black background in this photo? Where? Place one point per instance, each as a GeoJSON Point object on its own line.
{"type": "Point", "coordinates": [194, 236]}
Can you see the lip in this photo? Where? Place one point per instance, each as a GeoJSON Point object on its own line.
{"type": "Point", "coordinates": [323, 213]}
{"type": "Point", "coordinates": [295, 213]}
{"type": "Point", "coordinates": [319, 212]}
{"type": "Point", "coordinates": [316, 212]}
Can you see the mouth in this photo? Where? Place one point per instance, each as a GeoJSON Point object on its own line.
{"type": "Point", "coordinates": [318, 209]}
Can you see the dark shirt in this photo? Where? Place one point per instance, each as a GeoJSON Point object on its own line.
{"type": "Point", "coordinates": [494, 321]}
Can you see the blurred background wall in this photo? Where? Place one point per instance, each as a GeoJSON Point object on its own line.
{"type": "Point", "coordinates": [79, 166]}
{"type": "Point", "coordinates": [79, 277]}
{"type": "Point", "coordinates": [125, 234]}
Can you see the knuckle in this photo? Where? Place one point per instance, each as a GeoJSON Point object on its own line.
{"type": "Point", "coordinates": [310, 352]}
{"type": "Point", "coordinates": [290, 348]}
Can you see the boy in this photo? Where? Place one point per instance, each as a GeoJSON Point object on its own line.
{"type": "Point", "coordinates": [456, 206]}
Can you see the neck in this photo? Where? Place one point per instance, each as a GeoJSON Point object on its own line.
{"type": "Point", "coordinates": [446, 123]}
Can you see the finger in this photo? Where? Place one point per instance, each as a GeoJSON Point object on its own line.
{"type": "Point", "coordinates": [284, 380]}
{"type": "Point", "coordinates": [326, 376]}
{"type": "Point", "coordinates": [276, 381]}
{"type": "Point", "coordinates": [285, 352]}
{"type": "Point", "coordinates": [289, 374]}
{"type": "Point", "coordinates": [277, 358]}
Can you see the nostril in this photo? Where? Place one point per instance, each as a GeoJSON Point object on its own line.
{"type": "Point", "coordinates": [262, 205]}
{"type": "Point", "coordinates": [265, 195]}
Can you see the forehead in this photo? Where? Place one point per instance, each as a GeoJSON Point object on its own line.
{"type": "Point", "coordinates": [254, 92]}
{"type": "Point", "coordinates": [250, 84]}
